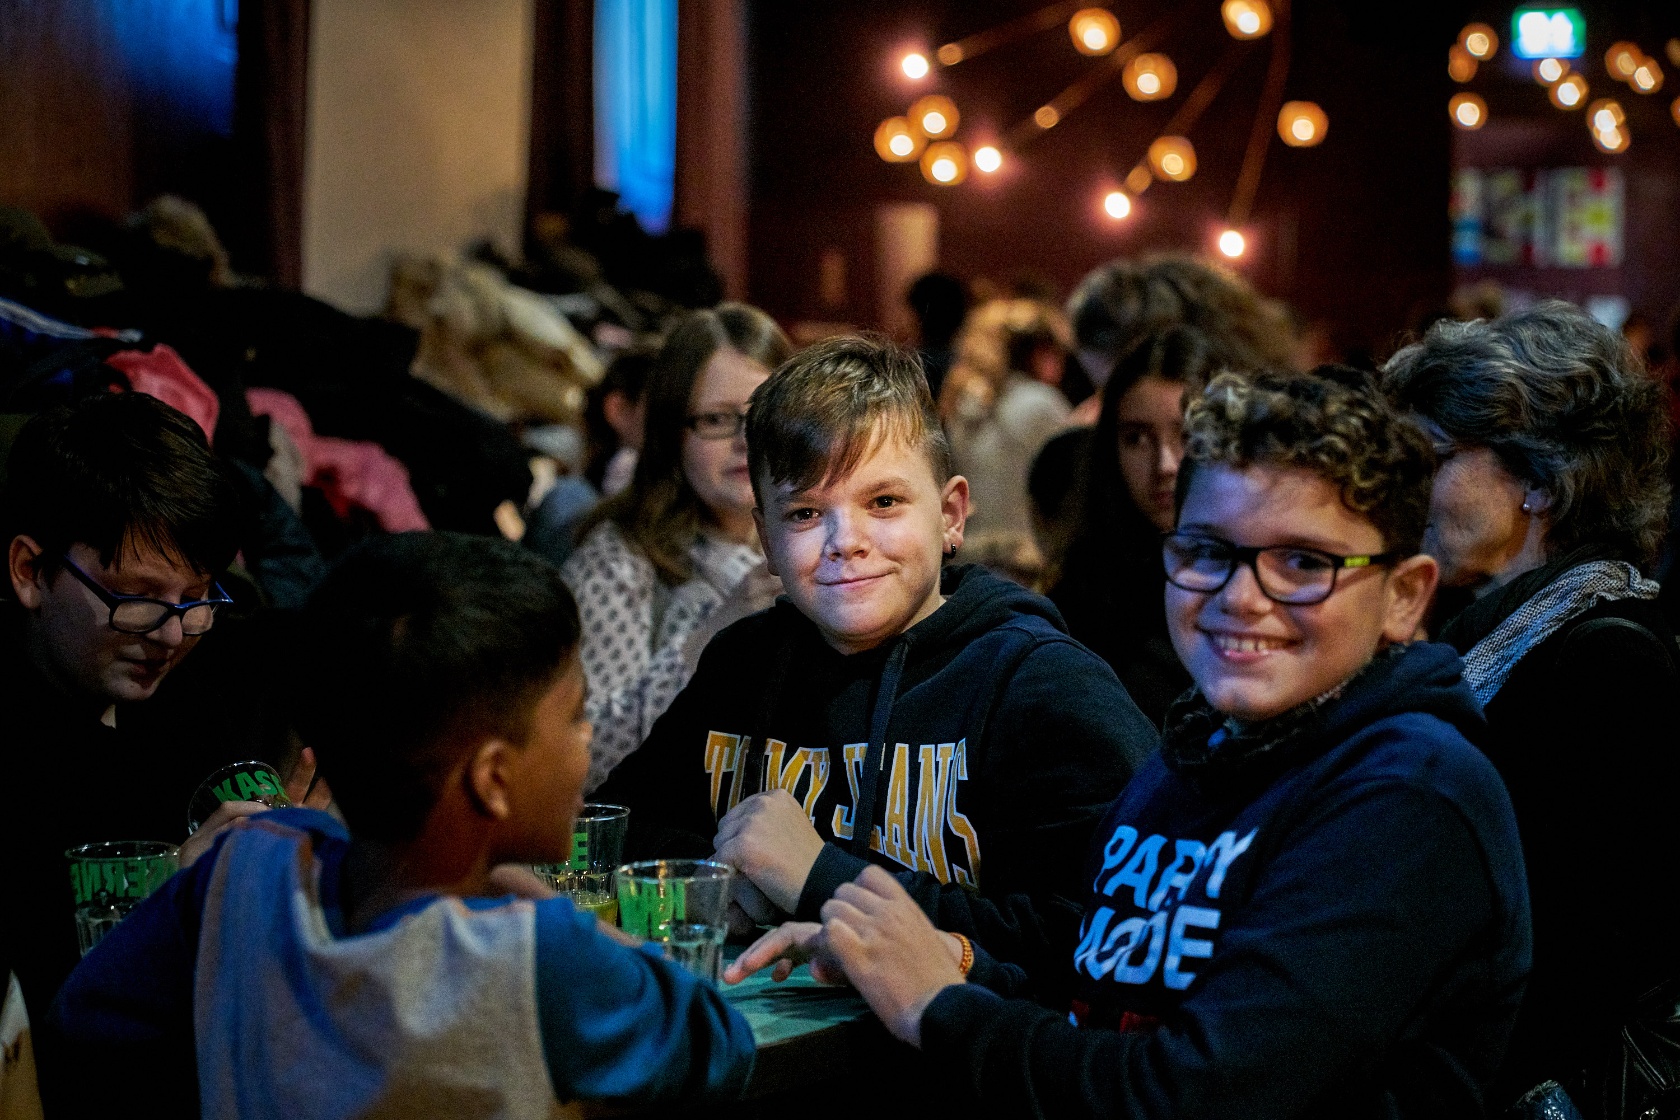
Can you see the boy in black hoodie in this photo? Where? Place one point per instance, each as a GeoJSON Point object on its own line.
{"type": "Point", "coordinates": [939, 723]}
{"type": "Point", "coordinates": [1312, 904]}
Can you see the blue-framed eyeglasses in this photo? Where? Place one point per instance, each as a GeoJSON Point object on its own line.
{"type": "Point", "coordinates": [136, 614]}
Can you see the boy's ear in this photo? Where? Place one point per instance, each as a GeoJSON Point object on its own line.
{"type": "Point", "coordinates": [953, 500]}
{"type": "Point", "coordinates": [1411, 588]}
{"type": "Point", "coordinates": [489, 777]}
{"type": "Point", "coordinates": [23, 562]}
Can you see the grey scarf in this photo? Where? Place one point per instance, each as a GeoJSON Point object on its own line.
{"type": "Point", "coordinates": [1489, 662]}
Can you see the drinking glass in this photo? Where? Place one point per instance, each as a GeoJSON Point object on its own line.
{"type": "Point", "coordinates": [238, 781]}
{"type": "Point", "coordinates": [597, 850]}
{"type": "Point", "coordinates": [681, 903]}
{"type": "Point", "coordinates": [108, 880]}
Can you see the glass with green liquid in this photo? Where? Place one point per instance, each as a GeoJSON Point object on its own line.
{"type": "Point", "coordinates": [597, 850]}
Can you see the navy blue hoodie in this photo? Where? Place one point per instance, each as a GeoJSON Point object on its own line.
{"type": "Point", "coordinates": [1009, 740]}
{"type": "Point", "coordinates": [1334, 924]}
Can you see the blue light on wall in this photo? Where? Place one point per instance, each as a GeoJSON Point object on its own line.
{"type": "Point", "coordinates": [1538, 32]}
{"type": "Point", "coordinates": [636, 106]}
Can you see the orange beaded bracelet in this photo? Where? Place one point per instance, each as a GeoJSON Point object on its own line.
{"type": "Point", "coordinates": [967, 961]}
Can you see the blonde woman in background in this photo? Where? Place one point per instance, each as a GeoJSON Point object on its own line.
{"type": "Point", "coordinates": [1000, 404]}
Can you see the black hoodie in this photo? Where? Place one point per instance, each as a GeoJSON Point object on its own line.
{"type": "Point", "coordinates": [1327, 923]}
{"type": "Point", "coordinates": [1009, 740]}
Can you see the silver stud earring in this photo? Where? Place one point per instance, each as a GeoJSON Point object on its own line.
{"type": "Point", "coordinates": [1526, 508]}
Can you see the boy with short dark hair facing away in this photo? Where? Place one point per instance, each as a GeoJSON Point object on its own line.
{"type": "Point", "coordinates": [936, 721]}
{"type": "Point", "coordinates": [1312, 903]}
{"type": "Point", "coordinates": [316, 972]}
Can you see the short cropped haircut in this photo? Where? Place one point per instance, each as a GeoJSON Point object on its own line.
{"type": "Point", "coordinates": [1334, 422]}
{"type": "Point", "coordinates": [416, 648]}
{"type": "Point", "coordinates": [831, 405]}
{"type": "Point", "coordinates": [120, 471]}
{"type": "Point", "coordinates": [1565, 405]}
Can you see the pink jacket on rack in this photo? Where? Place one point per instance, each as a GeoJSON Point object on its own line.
{"type": "Point", "coordinates": [351, 474]}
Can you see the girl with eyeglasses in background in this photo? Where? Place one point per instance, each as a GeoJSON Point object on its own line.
{"type": "Point", "coordinates": [672, 559]}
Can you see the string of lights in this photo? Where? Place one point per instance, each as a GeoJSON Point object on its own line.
{"type": "Point", "coordinates": [927, 132]}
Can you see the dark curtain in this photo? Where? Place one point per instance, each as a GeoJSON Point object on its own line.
{"type": "Point", "coordinates": [270, 95]}
{"type": "Point", "coordinates": [562, 162]}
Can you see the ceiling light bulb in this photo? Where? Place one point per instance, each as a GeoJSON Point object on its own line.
{"type": "Point", "coordinates": [1117, 204]}
{"type": "Point", "coordinates": [988, 159]}
{"type": "Point", "coordinates": [1468, 110]}
{"type": "Point", "coordinates": [1231, 243]}
{"type": "Point", "coordinates": [915, 65]}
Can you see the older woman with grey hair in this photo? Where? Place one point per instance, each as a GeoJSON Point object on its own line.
{"type": "Point", "coordinates": [1550, 504]}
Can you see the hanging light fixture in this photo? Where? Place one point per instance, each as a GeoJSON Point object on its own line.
{"type": "Point", "coordinates": [1611, 140]}
{"type": "Point", "coordinates": [1172, 158]}
{"type": "Point", "coordinates": [1468, 110]}
{"type": "Point", "coordinates": [1302, 124]}
{"type": "Point", "coordinates": [1549, 70]}
{"type": "Point", "coordinates": [1647, 76]}
{"type": "Point", "coordinates": [987, 159]}
{"type": "Point", "coordinates": [945, 164]}
{"type": "Point", "coordinates": [1094, 31]}
{"type": "Point", "coordinates": [896, 141]}
{"type": "Point", "coordinates": [1461, 64]}
{"type": "Point", "coordinates": [914, 65]}
{"type": "Point", "coordinates": [1246, 19]}
{"type": "Point", "coordinates": [1571, 93]}
{"type": "Point", "coordinates": [1605, 115]}
{"type": "Point", "coordinates": [1622, 59]}
{"type": "Point", "coordinates": [1232, 243]}
{"type": "Point", "coordinates": [1150, 77]}
{"type": "Point", "coordinates": [1117, 205]}
{"type": "Point", "coordinates": [935, 116]}
{"type": "Point", "coordinates": [1479, 40]}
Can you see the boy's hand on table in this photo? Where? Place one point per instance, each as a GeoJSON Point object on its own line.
{"type": "Point", "coordinates": [784, 949]}
{"type": "Point", "coordinates": [889, 950]}
{"type": "Point", "coordinates": [771, 841]}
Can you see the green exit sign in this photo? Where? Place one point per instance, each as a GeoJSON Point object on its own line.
{"type": "Point", "coordinates": [1548, 32]}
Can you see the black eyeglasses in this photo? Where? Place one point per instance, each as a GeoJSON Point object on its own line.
{"type": "Point", "coordinates": [136, 614]}
{"type": "Point", "coordinates": [716, 425]}
{"type": "Point", "coordinates": [1286, 573]}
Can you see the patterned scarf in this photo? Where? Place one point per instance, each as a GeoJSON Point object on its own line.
{"type": "Point", "coordinates": [1489, 662]}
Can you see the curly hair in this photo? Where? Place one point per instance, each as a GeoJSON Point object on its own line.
{"type": "Point", "coordinates": [1126, 300]}
{"type": "Point", "coordinates": [1334, 422]}
{"type": "Point", "coordinates": [1567, 407]}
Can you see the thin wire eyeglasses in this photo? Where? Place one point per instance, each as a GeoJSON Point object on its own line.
{"type": "Point", "coordinates": [137, 614]}
{"type": "Point", "coordinates": [717, 425]}
{"type": "Point", "coordinates": [1288, 574]}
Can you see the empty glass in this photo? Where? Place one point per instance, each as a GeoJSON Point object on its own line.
{"type": "Point", "coordinates": [681, 903]}
{"type": "Point", "coordinates": [238, 781]}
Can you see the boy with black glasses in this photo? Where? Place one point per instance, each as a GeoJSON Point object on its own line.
{"type": "Point", "coordinates": [117, 519]}
{"type": "Point", "coordinates": [1312, 903]}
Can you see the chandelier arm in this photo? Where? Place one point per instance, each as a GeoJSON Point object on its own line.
{"type": "Point", "coordinates": [1260, 136]}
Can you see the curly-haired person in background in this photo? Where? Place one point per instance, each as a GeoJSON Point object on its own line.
{"type": "Point", "coordinates": [1550, 503]}
{"type": "Point", "coordinates": [1311, 903]}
